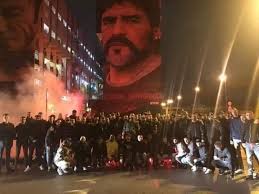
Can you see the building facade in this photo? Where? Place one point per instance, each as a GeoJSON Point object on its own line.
{"type": "Point", "coordinates": [61, 48]}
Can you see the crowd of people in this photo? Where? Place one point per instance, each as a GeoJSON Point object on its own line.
{"type": "Point", "coordinates": [133, 142]}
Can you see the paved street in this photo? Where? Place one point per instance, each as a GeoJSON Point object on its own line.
{"type": "Point", "coordinates": [154, 182]}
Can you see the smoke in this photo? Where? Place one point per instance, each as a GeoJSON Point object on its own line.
{"type": "Point", "coordinates": [40, 92]}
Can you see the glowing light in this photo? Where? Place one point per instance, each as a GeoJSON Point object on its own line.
{"type": "Point", "coordinates": [65, 98]}
{"type": "Point", "coordinates": [253, 83]}
{"type": "Point", "coordinates": [170, 101]}
{"type": "Point", "coordinates": [37, 82]}
{"type": "Point", "coordinates": [163, 104]}
{"type": "Point", "coordinates": [179, 97]}
{"type": "Point", "coordinates": [226, 60]}
{"type": "Point", "coordinates": [222, 77]}
{"type": "Point", "coordinates": [197, 89]}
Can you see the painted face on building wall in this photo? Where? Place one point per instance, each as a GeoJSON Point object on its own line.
{"type": "Point", "coordinates": [127, 34]}
{"type": "Point", "coordinates": [16, 25]}
{"type": "Point", "coordinates": [16, 36]}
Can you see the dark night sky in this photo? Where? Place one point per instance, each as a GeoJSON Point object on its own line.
{"type": "Point", "coordinates": [85, 11]}
{"type": "Point", "coordinates": [190, 27]}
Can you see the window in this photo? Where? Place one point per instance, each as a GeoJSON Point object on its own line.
{"type": "Point", "coordinates": [53, 10]}
{"type": "Point", "coordinates": [65, 23]}
{"type": "Point", "coordinates": [59, 40]}
{"type": "Point", "coordinates": [59, 17]}
{"type": "Point", "coordinates": [53, 34]}
{"type": "Point", "coordinates": [36, 55]}
{"type": "Point", "coordinates": [47, 2]}
{"type": "Point", "coordinates": [46, 28]}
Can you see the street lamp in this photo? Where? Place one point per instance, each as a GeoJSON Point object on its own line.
{"type": "Point", "coordinates": [163, 104]}
{"type": "Point", "coordinates": [222, 77]}
{"type": "Point", "coordinates": [179, 97]}
{"type": "Point", "coordinates": [197, 89]}
{"type": "Point", "coordinates": [170, 101]}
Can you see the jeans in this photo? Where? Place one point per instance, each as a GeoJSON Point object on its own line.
{"type": "Point", "coordinates": [7, 144]}
{"type": "Point", "coordinates": [251, 149]}
{"type": "Point", "coordinates": [50, 153]}
{"type": "Point", "coordinates": [239, 161]}
{"type": "Point", "coordinates": [222, 164]}
{"type": "Point", "coordinates": [186, 159]}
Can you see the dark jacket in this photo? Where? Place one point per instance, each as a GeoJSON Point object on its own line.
{"type": "Point", "coordinates": [181, 128]}
{"type": "Point", "coordinates": [7, 132]}
{"type": "Point", "coordinates": [195, 130]}
{"type": "Point", "coordinates": [213, 130]}
{"type": "Point", "coordinates": [37, 130]}
{"type": "Point", "coordinates": [22, 133]}
{"type": "Point", "coordinates": [235, 126]}
{"type": "Point", "coordinates": [51, 138]}
{"type": "Point", "coordinates": [141, 147]}
{"type": "Point", "coordinates": [225, 131]}
{"type": "Point", "coordinates": [251, 132]}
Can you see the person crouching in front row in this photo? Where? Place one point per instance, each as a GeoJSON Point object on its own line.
{"type": "Point", "coordinates": [64, 158]}
{"type": "Point", "coordinates": [222, 159]}
{"type": "Point", "coordinates": [201, 159]}
{"type": "Point", "coordinates": [185, 153]}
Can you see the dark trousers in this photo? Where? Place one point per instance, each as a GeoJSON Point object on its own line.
{"type": "Point", "coordinates": [141, 160]}
{"type": "Point", "coordinates": [38, 147]}
{"type": "Point", "coordinates": [83, 160]}
{"type": "Point", "coordinates": [237, 157]}
{"type": "Point", "coordinates": [7, 145]}
{"type": "Point", "coordinates": [19, 145]}
{"type": "Point", "coordinates": [128, 160]}
{"type": "Point", "coordinates": [210, 155]}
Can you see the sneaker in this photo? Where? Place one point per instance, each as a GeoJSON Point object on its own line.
{"type": "Point", "coordinates": [208, 171]}
{"type": "Point", "coordinates": [194, 168]}
{"type": "Point", "coordinates": [27, 169]}
{"type": "Point", "coordinates": [75, 169]}
{"type": "Point", "coordinates": [249, 177]}
{"type": "Point", "coordinates": [239, 171]}
{"type": "Point", "coordinates": [226, 172]}
{"type": "Point", "coordinates": [41, 168]}
{"type": "Point", "coordinates": [60, 173]}
{"type": "Point", "coordinates": [221, 172]}
{"type": "Point", "coordinates": [204, 169]}
{"type": "Point", "coordinates": [84, 169]}
{"type": "Point", "coordinates": [49, 169]}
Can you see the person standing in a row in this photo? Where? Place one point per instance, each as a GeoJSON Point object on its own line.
{"type": "Point", "coordinates": [22, 136]}
{"type": "Point", "coordinates": [7, 135]}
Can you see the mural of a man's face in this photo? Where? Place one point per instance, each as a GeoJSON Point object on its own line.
{"type": "Point", "coordinates": [16, 24]}
{"type": "Point", "coordinates": [127, 34]}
